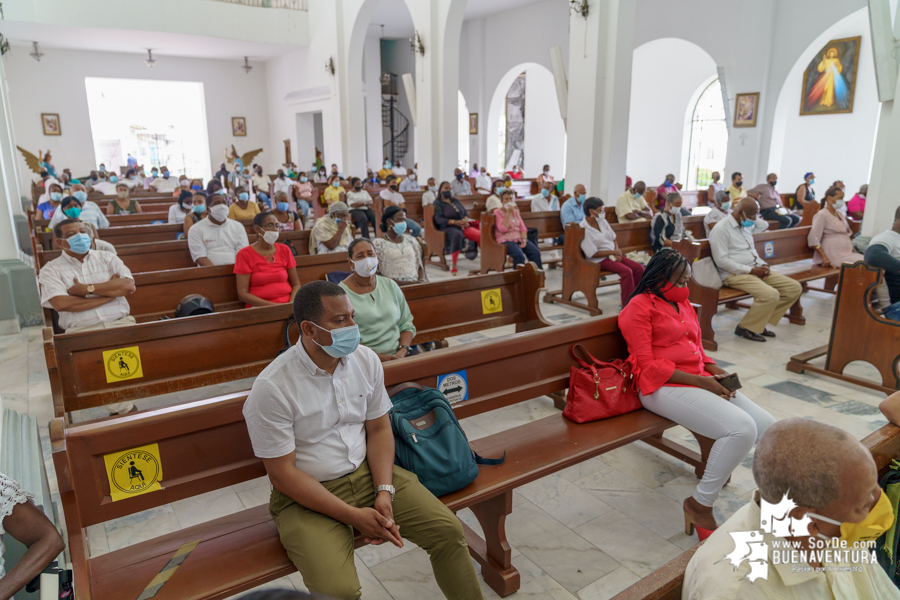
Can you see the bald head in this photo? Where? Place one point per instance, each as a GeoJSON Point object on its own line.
{"type": "Point", "coordinates": [815, 461]}
{"type": "Point", "coordinates": [747, 208]}
{"type": "Point", "coordinates": [640, 187]}
{"type": "Point", "coordinates": [580, 189]}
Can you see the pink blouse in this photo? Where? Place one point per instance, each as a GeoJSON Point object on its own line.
{"type": "Point", "coordinates": [511, 233]}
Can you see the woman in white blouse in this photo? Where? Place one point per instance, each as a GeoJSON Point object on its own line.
{"type": "Point", "coordinates": [399, 255]}
{"type": "Point", "coordinates": [600, 246]}
{"type": "Point", "coordinates": [22, 520]}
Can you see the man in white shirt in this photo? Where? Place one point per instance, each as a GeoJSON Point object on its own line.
{"type": "Point", "coordinates": [283, 184]}
{"type": "Point", "coordinates": [460, 186]}
{"type": "Point", "coordinates": [741, 268]}
{"type": "Point", "coordinates": [832, 480]}
{"type": "Point", "coordinates": [360, 203]}
{"type": "Point", "coordinates": [544, 201]}
{"type": "Point", "coordinates": [216, 239]}
{"type": "Point", "coordinates": [720, 208]}
{"type": "Point", "coordinates": [86, 288]}
{"type": "Point", "coordinates": [318, 418]}
{"type": "Point", "coordinates": [107, 188]}
{"type": "Point", "coordinates": [430, 193]}
{"type": "Point", "coordinates": [399, 170]}
{"type": "Point", "coordinates": [129, 179]}
{"type": "Point", "coordinates": [483, 182]}
{"type": "Point", "coordinates": [884, 253]}
{"type": "Point", "coordinates": [164, 183]}
{"type": "Point", "coordinates": [631, 206]}
{"type": "Point", "coordinates": [409, 184]}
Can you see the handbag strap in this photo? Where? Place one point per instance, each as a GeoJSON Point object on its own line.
{"type": "Point", "coordinates": [488, 461]}
{"type": "Point", "coordinates": [594, 361]}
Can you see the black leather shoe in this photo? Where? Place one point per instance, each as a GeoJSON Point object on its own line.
{"type": "Point", "coordinates": [768, 333]}
{"type": "Point", "coordinates": [748, 335]}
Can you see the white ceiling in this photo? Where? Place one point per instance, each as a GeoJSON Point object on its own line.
{"type": "Point", "coordinates": [137, 42]}
{"type": "Point", "coordinates": [398, 22]}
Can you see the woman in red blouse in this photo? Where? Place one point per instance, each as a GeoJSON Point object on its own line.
{"type": "Point", "coordinates": [678, 381]}
{"type": "Point", "coordinates": [266, 272]}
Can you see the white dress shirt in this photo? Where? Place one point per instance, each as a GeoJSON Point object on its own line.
{"type": "Point", "coordinates": [58, 275]}
{"type": "Point", "coordinates": [399, 171]}
{"type": "Point", "coordinates": [176, 215]}
{"type": "Point", "coordinates": [283, 185]}
{"type": "Point", "coordinates": [483, 184]}
{"type": "Point", "coordinates": [161, 184]}
{"type": "Point", "coordinates": [297, 407]}
{"type": "Point", "coordinates": [714, 215]}
{"type": "Point", "coordinates": [104, 187]}
{"type": "Point", "coordinates": [409, 185]}
{"type": "Point", "coordinates": [428, 198]}
{"type": "Point", "coordinates": [218, 243]}
{"type": "Point", "coordinates": [596, 240]}
{"type": "Point", "coordinates": [732, 247]}
{"type": "Point", "coordinates": [90, 213]}
{"type": "Point", "coordinates": [541, 204]}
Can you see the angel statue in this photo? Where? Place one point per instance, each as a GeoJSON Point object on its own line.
{"type": "Point", "coordinates": [237, 162]}
{"type": "Point", "coordinates": [38, 163]}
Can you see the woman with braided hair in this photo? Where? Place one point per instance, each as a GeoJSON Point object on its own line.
{"type": "Point", "coordinates": [676, 379]}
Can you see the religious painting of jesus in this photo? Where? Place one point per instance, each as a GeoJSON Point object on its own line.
{"type": "Point", "coordinates": [829, 82]}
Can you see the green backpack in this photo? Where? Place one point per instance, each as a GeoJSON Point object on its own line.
{"type": "Point", "coordinates": [430, 442]}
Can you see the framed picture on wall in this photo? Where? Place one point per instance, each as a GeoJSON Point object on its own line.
{"type": "Point", "coordinates": [473, 123]}
{"type": "Point", "coordinates": [239, 126]}
{"type": "Point", "coordinates": [50, 122]}
{"type": "Point", "coordinates": [745, 109]}
{"type": "Point", "coordinates": [829, 82]}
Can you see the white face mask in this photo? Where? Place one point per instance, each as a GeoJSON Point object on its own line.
{"type": "Point", "coordinates": [366, 267]}
{"type": "Point", "coordinates": [270, 236]}
{"type": "Point", "coordinates": [219, 212]}
{"type": "Point", "coordinates": [601, 215]}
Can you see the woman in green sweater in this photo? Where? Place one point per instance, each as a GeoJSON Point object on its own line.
{"type": "Point", "coordinates": [385, 323]}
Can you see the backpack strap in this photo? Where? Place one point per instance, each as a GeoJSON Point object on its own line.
{"type": "Point", "coordinates": [488, 461]}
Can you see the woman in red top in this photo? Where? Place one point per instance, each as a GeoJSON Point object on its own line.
{"type": "Point", "coordinates": [678, 381]}
{"type": "Point", "coordinates": [266, 272]}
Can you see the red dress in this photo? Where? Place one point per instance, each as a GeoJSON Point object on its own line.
{"type": "Point", "coordinates": [268, 280]}
{"type": "Point", "coordinates": [661, 340]}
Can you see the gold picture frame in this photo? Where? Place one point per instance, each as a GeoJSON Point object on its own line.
{"type": "Point", "coordinates": [829, 81]}
{"type": "Point", "coordinates": [50, 123]}
{"type": "Point", "coordinates": [746, 108]}
{"type": "Point", "coordinates": [473, 123]}
{"type": "Point", "coordinates": [239, 126]}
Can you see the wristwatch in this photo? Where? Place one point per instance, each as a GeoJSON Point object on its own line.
{"type": "Point", "coordinates": [385, 488]}
{"type": "Point", "coordinates": [402, 347]}
{"type": "Point", "coordinates": [90, 288]}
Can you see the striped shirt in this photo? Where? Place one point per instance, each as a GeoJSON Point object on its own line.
{"type": "Point", "coordinates": [58, 275]}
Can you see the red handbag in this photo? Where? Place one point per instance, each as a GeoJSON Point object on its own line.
{"type": "Point", "coordinates": [599, 390]}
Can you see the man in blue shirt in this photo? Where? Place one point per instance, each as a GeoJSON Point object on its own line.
{"type": "Point", "coordinates": [573, 208]}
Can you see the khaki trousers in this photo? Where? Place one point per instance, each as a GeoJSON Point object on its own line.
{"type": "Point", "coordinates": [120, 407]}
{"type": "Point", "coordinates": [772, 297]}
{"type": "Point", "coordinates": [322, 548]}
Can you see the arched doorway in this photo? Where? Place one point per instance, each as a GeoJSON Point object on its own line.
{"type": "Point", "coordinates": [462, 154]}
{"type": "Point", "coordinates": [539, 129]}
{"type": "Point", "coordinates": [707, 137]}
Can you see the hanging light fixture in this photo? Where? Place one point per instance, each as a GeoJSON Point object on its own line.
{"type": "Point", "coordinates": [36, 54]}
{"type": "Point", "coordinates": [150, 62]}
{"type": "Point", "coordinates": [246, 66]}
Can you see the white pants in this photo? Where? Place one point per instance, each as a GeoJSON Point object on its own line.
{"type": "Point", "coordinates": [735, 424]}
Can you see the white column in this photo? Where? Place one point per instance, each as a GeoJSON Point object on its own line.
{"type": "Point", "coordinates": [10, 196]}
{"type": "Point", "coordinates": [881, 202]}
{"type": "Point", "coordinates": [600, 54]}
{"type": "Point", "coordinates": [372, 72]}
{"type": "Point", "coordinates": [352, 21]}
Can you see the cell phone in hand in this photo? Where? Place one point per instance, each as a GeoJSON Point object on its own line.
{"type": "Point", "coordinates": [732, 383]}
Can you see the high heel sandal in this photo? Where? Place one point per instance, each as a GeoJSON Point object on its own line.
{"type": "Point", "coordinates": [689, 527]}
{"type": "Point", "coordinates": [453, 271]}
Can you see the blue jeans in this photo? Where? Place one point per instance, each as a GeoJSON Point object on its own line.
{"type": "Point", "coordinates": [519, 254]}
{"type": "Point", "coordinates": [784, 221]}
{"type": "Point", "coordinates": [264, 197]}
{"type": "Point", "coordinates": [303, 207]}
{"type": "Point", "coordinates": [414, 228]}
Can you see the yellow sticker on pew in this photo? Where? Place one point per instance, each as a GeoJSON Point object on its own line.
{"type": "Point", "coordinates": [491, 302]}
{"type": "Point", "coordinates": [122, 364]}
{"type": "Point", "coordinates": [133, 472]}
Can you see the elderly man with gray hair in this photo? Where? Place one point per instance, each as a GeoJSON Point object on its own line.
{"type": "Point", "coordinates": [719, 208]}
{"type": "Point", "coordinates": [832, 484]}
{"type": "Point", "coordinates": [332, 233]}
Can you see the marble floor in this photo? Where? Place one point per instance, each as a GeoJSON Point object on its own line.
{"type": "Point", "coordinates": [586, 532]}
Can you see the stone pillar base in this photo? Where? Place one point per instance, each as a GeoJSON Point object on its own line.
{"type": "Point", "coordinates": [19, 297]}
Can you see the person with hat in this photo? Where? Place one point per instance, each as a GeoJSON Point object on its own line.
{"type": "Point", "coordinates": [805, 191]}
{"type": "Point", "coordinates": [332, 233]}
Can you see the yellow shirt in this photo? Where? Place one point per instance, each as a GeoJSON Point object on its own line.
{"type": "Point", "coordinates": [627, 204]}
{"type": "Point", "coordinates": [736, 194]}
{"type": "Point", "coordinates": [237, 213]}
{"type": "Point", "coordinates": [332, 194]}
{"type": "Point", "coordinates": [383, 173]}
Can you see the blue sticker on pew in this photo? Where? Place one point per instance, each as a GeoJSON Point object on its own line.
{"type": "Point", "coordinates": [769, 249]}
{"type": "Point", "coordinates": [157, 222]}
{"type": "Point", "coordinates": [455, 386]}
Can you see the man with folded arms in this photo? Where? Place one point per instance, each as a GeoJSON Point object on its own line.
{"type": "Point", "coordinates": [318, 418]}
{"type": "Point", "coordinates": [741, 268]}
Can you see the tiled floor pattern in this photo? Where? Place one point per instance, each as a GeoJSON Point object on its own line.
{"type": "Point", "coordinates": [586, 532]}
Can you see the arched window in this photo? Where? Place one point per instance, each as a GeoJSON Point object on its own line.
{"type": "Point", "coordinates": [709, 138]}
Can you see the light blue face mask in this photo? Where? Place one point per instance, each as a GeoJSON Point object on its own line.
{"type": "Point", "coordinates": [545, 193]}
{"type": "Point", "coordinates": [282, 206]}
{"type": "Point", "coordinates": [113, 179]}
{"type": "Point", "coordinates": [400, 228]}
{"type": "Point", "coordinates": [81, 196]}
{"type": "Point", "coordinates": [344, 341]}
{"type": "Point", "coordinates": [726, 205]}
{"type": "Point", "coordinates": [748, 223]}
{"type": "Point", "coordinates": [79, 243]}
{"type": "Point", "coordinates": [336, 183]}
{"type": "Point", "coordinates": [580, 199]}
{"type": "Point", "coordinates": [243, 196]}
{"type": "Point", "coordinates": [303, 179]}
{"type": "Point", "coordinates": [433, 188]}
{"type": "Point", "coordinates": [55, 196]}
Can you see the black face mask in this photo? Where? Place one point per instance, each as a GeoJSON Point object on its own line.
{"type": "Point", "coordinates": [738, 183]}
{"type": "Point", "coordinates": [446, 194]}
{"type": "Point", "coordinates": [394, 187]}
{"type": "Point", "coordinates": [357, 188]}
{"type": "Point", "coordinates": [281, 176]}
